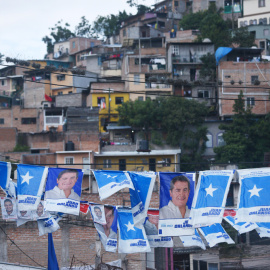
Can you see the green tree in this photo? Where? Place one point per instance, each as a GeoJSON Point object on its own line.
{"type": "Point", "coordinates": [58, 33]}
{"type": "Point", "coordinates": [192, 20]}
{"type": "Point", "coordinates": [109, 25]}
{"type": "Point", "coordinates": [246, 137]}
{"type": "Point", "coordinates": [243, 38]}
{"type": "Point", "coordinates": [143, 115]}
{"type": "Point", "coordinates": [83, 29]}
{"type": "Point", "coordinates": [208, 68]}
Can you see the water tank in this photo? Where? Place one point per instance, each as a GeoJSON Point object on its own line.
{"type": "Point", "coordinates": [143, 146]}
{"type": "Point", "coordinates": [69, 146]}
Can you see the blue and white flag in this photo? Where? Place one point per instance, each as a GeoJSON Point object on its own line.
{"type": "Point", "coordinates": [5, 170]}
{"type": "Point", "coordinates": [263, 229]}
{"type": "Point", "coordinates": [48, 225]}
{"type": "Point", "coordinates": [210, 197]}
{"type": "Point", "coordinates": [176, 195]}
{"type": "Point", "coordinates": [215, 234]}
{"type": "Point", "coordinates": [109, 182]}
{"type": "Point", "coordinates": [241, 227]}
{"type": "Point", "coordinates": [63, 190]}
{"type": "Point", "coordinates": [132, 239]}
{"type": "Point", "coordinates": [31, 181]}
{"type": "Point", "coordinates": [143, 183]}
{"type": "Point", "coordinates": [108, 232]}
{"type": "Point", "coordinates": [253, 198]}
{"type": "Point", "coordinates": [193, 240]}
{"type": "Point", "coordinates": [151, 230]}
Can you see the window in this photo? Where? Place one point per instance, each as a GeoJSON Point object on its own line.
{"type": "Point", "coordinates": [261, 3]}
{"type": "Point", "coordinates": [254, 79]}
{"type": "Point", "coordinates": [2, 121]}
{"type": "Point", "coordinates": [69, 160]}
{"type": "Point", "coordinates": [175, 50]}
{"type": "Point", "coordinates": [124, 32]}
{"type": "Point", "coordinates": [101, 99]}
{"type": "Point", "coordinates": [60, 93]}
{"type": "Point", "coordinates": [136, 78]}
{"type": "Point", "coordinates": [107, 163]}
{"type": "Point", "coordinates": [92, 44]}
{"type": "Point", "coordinates": [250, 101]}
{"type": "Point", "coordinates": [203, 94]}
{"type": "Point", "coordinates": [70, 92]}
{"type": "Point", "coordinates": [209, 143]}
{"type": "Point", "coordinates": [29, 121]}
{"type": "Point", "coordinates": [122, 164]}
{"type": "Point", "coordinates": [176, 3]}
{"type": "Point", "coordinates": [4, 82]}
{"type": "Point", "coordinates": [220, 140]}
{"type": "Point", "coordinates": [73, 44]}
{"type": "Point", "coordinates": [166, 162]}
{"type": "Point", "coordinates": [119, 100]}
{"type": "Point", "coordinates": [266, 32]}
{"type": "Point", "coordinates": [262, 44]}
{"type": "Point", "coordinates": [213, 266]}
{"type": "Point", "coordinates": [61, 77]}
{"type": "Point", "coordinates": [140, 98]}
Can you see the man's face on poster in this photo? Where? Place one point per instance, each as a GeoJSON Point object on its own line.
{"type": "Point", "coordinates": [67, 181]}
{"type": "Point", "coordinates": [9, 207]}
{"type": "Point", "coordinates": [23, 213]}
{"type": "Point", "coordinates": [154, 219]}
{"type": "Point", "coordinates": [40, 209]}
{"type": "Point", "coordinates": [180, 193]}
{"type": "Point", "coordinates": [98, 212]}
{"type": "Point", "coordinates": [109, 217]}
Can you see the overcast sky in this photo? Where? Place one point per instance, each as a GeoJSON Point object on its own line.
{"type": "Point", "coordinates": [25, 22]}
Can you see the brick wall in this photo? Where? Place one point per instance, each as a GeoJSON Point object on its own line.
{"type": "Point", "coordinates": [8, 139]}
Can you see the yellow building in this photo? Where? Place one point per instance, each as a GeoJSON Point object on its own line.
{"type": "Point", "coordinates": [108, 96]}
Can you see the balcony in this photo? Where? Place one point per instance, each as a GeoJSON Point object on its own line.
{"type": "Point", "coordinates": [185, 59]}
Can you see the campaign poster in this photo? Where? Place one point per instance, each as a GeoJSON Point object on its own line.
{"type": "Point", "coordinates": [151, 230]}
{"type": "Point", "coordinates": [9, 208]}
{"type": "Point", "coordinates": [176, 195]}
{"type": "Point", "coordinates": [98, 213]}
{"type": "Point", "coordinates": [108, 232]}
{"type": "Point", "coordinates": [63, 190]}
{"type": "Point", "coordinates": [40, 213]}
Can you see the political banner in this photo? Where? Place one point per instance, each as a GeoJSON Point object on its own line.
{"type": "Point", "coordinates": [9, 208]}
{"type": "Point", "coordinates": [132, 239]}
{"type": "Point", "coordinates": [253, 198]}
{"type": "Point", "coordinates": [241, 227]}
{"type": "Point", "coordinates": [210, 197]}
{"type": "Point", "coordinates": [193, 240]}
{"type": "Point", "coordinates": [108, 232]}
{"type": "Point", "coordinates": [176, 195]}
{"type": "Point", "coordinates": [140, 197]}
{"type": "Point", "coordinates": [215, 234]}
{"type": "Point", "coordinates": [63, 190]}
{"type": "Point", "coordinates": [40, 213]}
{"type": "Point", "coordinates": [48, 225]}
{"type": "Point", "coordinates": [151, 230]}
{"type": "Point", "coordinates": [109, 182]}
{"type": "Point", "coordinates": [31, 181]}
{"type": "Point", "coordinates": [263, 229]}
{"type": "Point", "coordinates": [98, 213]}
{"type": "Point", "coordinates": [5, 170]}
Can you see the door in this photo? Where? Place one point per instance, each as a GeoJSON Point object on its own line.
{"type": "Point", "coordinates": [122, 164]}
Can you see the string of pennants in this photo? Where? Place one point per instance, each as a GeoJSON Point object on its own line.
{"type": "Point", "coordinates": [188, 214]}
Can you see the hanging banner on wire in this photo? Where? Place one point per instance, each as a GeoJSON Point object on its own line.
{"type": "Point", "coordinates": [63, 190]}
{"type": "Point", "coordinates": [193, 240]}
{"type": "Point", "coordinates": [109, 182]}
{"type": "Point", "coordinates": [9, 208]}
{"type": "Point", "coordinates": [108, 231]}
{"type": "Point", "coordinates": [140, 197]}
{"type": "Point", "coordinates": [176, 195]}
{"type": "Point", "coordinates": [253, 198]}
{"type": "Point", "coordinates": [31, 182]}
{"type": "Point", "coordinates": [210, 197]}
{"type": "Point", "coordinates": [241, 227]}
{"type": "Point", "coordinates": [151, 230]}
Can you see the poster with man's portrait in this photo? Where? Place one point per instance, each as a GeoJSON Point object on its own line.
{"type": "Point", "coordinates": [25, 214]}
{"type": "Point", "coordinates": [63, 190]}
{"type": "Point", "coordinates": [98, 213]}
{"type": "Point", "coordinates": [9, 208]}
{"type": "Point", "coordinates": [40, 213]}
{"type": "Point", "coordinates": [176, 195]}
{"type": "Point", "coordinates": [151, 230]}
{"type": "Point", "coordinates": [108, 231]}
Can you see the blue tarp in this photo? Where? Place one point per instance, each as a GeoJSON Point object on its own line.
{"type": "Point", "coordinates": [221, 52]}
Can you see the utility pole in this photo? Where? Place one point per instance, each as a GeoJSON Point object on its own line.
{"type": "Point", "coordinates": [109, 108]}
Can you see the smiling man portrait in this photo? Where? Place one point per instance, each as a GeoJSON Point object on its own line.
{"type": "Point", "coordinates": [177, 206]}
